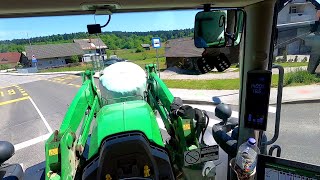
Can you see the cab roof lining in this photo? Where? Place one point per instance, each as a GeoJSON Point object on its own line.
{"type": "Point", "coordinates": [31, 8]}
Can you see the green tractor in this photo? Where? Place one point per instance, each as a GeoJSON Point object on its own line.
{"type": "Point", "coordinates": [101, 139]}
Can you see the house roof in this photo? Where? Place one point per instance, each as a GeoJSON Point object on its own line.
{"type": "Point", "coordinates": [183, 47]}
{"type": "Point", "coordinates": [145, 45]}
{"type": "Point", "coordinates": [9, 57]}
{"type": "Point", "coordinates": [53, 50]}
{"type": "Point", "coordinates": [87, 44]}
{"type": "Point", "coordinates": [315, 3]}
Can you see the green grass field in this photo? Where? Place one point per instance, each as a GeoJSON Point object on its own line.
{"type": "Point", "coordinates": [130, 54]}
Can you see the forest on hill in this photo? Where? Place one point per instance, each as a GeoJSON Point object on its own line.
{"type": "Point", "coordinates": [114, 40]}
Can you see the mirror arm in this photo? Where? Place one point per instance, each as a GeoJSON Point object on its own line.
{"type": "Point", "coordinates": [206, 7]}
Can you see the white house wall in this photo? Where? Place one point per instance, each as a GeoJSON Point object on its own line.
{"type": "Point", "coordinates": [307, 14]}
{"type": "Point", "coordinates": [283, 17]}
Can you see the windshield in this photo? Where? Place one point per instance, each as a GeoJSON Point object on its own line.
{"type": "Point", "coordinates": [42, 58]}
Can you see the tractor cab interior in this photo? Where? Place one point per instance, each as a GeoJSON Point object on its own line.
{"type": "Point", "coordinates": [249, 25]}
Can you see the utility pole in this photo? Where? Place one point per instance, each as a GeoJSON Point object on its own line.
{"type": "Point", "coordinates": [32, 55]}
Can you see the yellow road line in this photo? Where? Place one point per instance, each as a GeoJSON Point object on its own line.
{"type": "Point", "coordinates": [8, 86]}
{"type": "Point", "coordinates": [14, 100]}
{"type": "Point", "coordinates": [25, 94]}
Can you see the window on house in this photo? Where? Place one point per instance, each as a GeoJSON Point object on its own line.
{"type": "Point", "coordinates": [293, 9]}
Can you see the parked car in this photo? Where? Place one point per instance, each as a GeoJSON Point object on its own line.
{"type": "Point", "coordinates": [111, 61]}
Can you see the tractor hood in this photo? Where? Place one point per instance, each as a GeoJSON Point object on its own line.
{"type": "Point", "coordinates": [124, 117]}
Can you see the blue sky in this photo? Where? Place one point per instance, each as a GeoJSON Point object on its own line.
{"type": "Point", "coordinates": [41, 26]}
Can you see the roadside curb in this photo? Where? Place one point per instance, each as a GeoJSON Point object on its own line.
{"type": "Point", "coordinates": [32, 74]}
{"type": "Point", "coordinates": [302, 101]}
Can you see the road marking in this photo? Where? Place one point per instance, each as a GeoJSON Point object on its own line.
{"type": "Point", "coordinates": [42, 117]}
{"type": "Point", "coordinates": [25, 94]}
{"type": "Point", "coordinates": [272, 109]}
{"type": "Point", "coordinates": [8, 86]}
{"type": "Point", "coordinates": [32, 141]}
{"type": "Point", "coordinates": [14, 100]}
{"type": "Point", "coordinates": [11, 92]}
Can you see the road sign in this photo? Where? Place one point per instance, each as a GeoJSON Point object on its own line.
{"type": "Point", "coordinates": [204, 154]}
{"type": "Point", "coordinates": [156, 43]}
{"type": "Point", "coordinates": [192, 157]}
{"type": "Point", "coordinates": [34, 60]}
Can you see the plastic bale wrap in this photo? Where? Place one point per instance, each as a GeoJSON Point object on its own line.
{"type": "Point", "coordinates": [122, 81]}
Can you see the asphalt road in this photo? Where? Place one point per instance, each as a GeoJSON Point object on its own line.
{"type": "Point", "coordinates": [31, 108]}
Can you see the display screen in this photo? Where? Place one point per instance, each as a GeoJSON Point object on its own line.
{"type": "Point", "coordinates": [257, 99]}
{"type": "Point", "coordinates": [280, 172]}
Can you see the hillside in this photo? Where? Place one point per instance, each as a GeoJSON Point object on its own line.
{"type": "Point", "coordinates": [114, 40]}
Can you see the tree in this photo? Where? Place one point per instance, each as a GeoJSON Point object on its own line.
{"type": "Point", "coordinates": [74, 59]}
{"type": "Point", "coordinates": [139, 49]}
{"type": "Point", "coordinates": [114, 40]}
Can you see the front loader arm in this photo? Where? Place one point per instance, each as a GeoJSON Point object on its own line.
{"type": "Point", "coordinates": [183, 136]}
{"type": "Point", "coordinates": [64, 147]}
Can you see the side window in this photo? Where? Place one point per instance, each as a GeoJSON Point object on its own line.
{"type": "Point", "coordinates": [297, 51]}
{"type": "Point", "coordinates": [293, 9]}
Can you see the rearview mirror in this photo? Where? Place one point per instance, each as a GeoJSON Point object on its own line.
{"type": "Point", "coordinates": [218, 28]}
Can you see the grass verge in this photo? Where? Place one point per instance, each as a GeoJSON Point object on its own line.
{"type": "Point", "coordinates": [73, 68]}
{"type": "Point", "coordinates": [297, 78]}
{"type": "Point", "coordinates": [293, 64]}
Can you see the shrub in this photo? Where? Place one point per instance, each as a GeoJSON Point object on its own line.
{"type": "Point", "coordinates": [300, 76]}
{"type": "Point", "coordinates": [284, 56]}
{"type": "Point", "coordinates": [108, 53]}
{"type": "Point", "coordinates": [74, 59]}
{"type": "Point", "coordinates": [144, 55]}
{"type": "Point", "coordinates": [4, 67]}
{"type": "Point", "coordinates": [305, 59]}
{"type": "Point", "coordinates": [139, 49]}
{"type": "Point", "coordinates": [19, 65]}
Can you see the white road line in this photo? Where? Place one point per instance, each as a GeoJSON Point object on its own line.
{"type": "Point", "coordinates": [32, 141]}
{"type": "Point", "coordinates": [272, 109]}
{"type": "Point", "coordinates": [42, 117]}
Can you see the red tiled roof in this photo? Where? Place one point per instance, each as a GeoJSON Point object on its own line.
{"type": "Point", "coordinates": [9, 57]}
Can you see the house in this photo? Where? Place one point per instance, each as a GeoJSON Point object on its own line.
{"type": "Point", "coordinates": [145, 46]}
{"type": "Point", "coordinates": [12, 59]}
{"type": "Point", "coordinates": [294, 23]}
{"type": "Point", "coordinates": [53, 55]}
{"type": "Point", "coordinates": [182, 53]}
{"type": "Point", "coordinates": [92, 46]}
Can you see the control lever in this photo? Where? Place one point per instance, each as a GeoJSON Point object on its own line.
{"type": "Point", "coordinates": [220, 130]}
